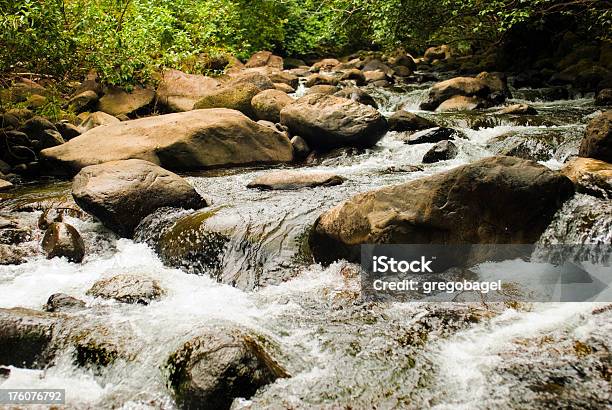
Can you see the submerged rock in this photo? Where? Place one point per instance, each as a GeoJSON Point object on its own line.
{"type": "Point", "coordinates": [121, 193]}
{"type": "Point", "coordinates": [326, 121]}
{"type": "Point", "coordinates": [191, 140]}
{"type": "Point", "coordinates": [357, 94]}
{"type": "Point", "coordinates": [597, 141]}
{"type": "Point", "coordinates": [497, 200]}
{"type": "Point", "coordinates": [289, 180]}
{"type": "Point", "coordinates": [214, 368]}
{"type": "Point", "coordinates": [128, 288]}
{"type": "Point", "coordinates": [518, 109]}
{"type": "Point", "coordinates": [60, 302]}
{"type": "Point", "coordinates": [539, 146]}
{"type": "Point", "coordinates": [434, 135]}
{"type": "Point", "coordinates": [63, 241]}
{"type": "Point", "coordinates": [25, 337]}
{"type": "Point", "coordinates": [442, 151]}
{"type": "Point", "coordinates": [590, 176]}
{"type": "Point", "coordinates": [406, 121]}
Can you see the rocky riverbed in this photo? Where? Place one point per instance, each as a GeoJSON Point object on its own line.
{"type": "Point", "coordinates": [205, 257]}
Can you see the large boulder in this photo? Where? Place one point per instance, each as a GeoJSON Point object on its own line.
{"type": "Point", "coordinates": [191, 140]}
{"type": "Point", "coordinates": [212, 369]}
{"type": "Point", "coordinates": [268, 104]}
{"type": "Point", "coordinates": [62, 240]}
{"type": "Point", "coordinates": [290, 180]}
{"type": "Point", "coordinates": [179, 92]}
{"type": "Point", "coordinates": [121, 193]}
{"type": "Point", "coordinates": [326, 121]}
{"type": "Point", "coordinates": [597, 141]}
{"type": "Point", "coordinates": [465, 86]}
{"type": "Point", "coordinates": [118, 102]}
{"type": "Point", "coordinates": [497, 200]}
{"type": "Point", "coordinates": [437, 53]}
{"type": "Point", "coordinates": [128, 288]}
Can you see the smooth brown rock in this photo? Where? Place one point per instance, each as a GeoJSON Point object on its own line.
{"type": "Point", "coordinates": [195, 139]}
{"type": "Point", "coordinates": [518, 109]}
{"type": "Point", "coordinates": [590, 176]}
{"type": "Point", "coordinates": [465, 86]}
{"type": "Point", "coordinates": [5, 185]}
{"type": "Point", "coordinates": [326, 121]}
{"type": "Point", "coordinates": [268, 104]}
{"type": "Point", "coordinates": [179, 91]}
{"type": "Point", "coordinates": [460, 103]}
{"type": "Point", "coordinates": [96, 119]}
{"type": "Point", "coordinates": [497, 200]}
{"type": "Point", "coordinates": [597, 141]}
{"type": "Point", "coordinates": [265, 59]}
{"type": "Point", "coordinates": [406, 121]}
{"type": "Point", "coordinates": [118, 102]}
{"type": "Point", "coordinates": [121, 193]}
{"type": "Point", "coordinates": [62, 240]}
{"type": "Point", "coordinates": [321, 79]}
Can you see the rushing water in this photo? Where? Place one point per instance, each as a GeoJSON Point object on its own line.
{"type": "Point", "coordinates": [340, 351]}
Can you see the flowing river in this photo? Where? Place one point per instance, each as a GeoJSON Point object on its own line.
{"type": "Point", "coordinates": [340, 351]}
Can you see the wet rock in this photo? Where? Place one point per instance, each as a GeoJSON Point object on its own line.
{"type": "Point", "coordinates": [403, 168]}
{"type": "Point", "coordinates": [5, 185]}
{"type": "Point", "coordinates": [353, 75]}
{"type": "Point", "coordinates": [535, 147]}
{"type": "Point", "coordinates": [284, 88]}
{"type": "Point", "coordinates": [214, 368]}
{"type": "Point", "coordinates": [13, 233]}
{"type": "Point", "coordinates": [460, 103]}
{"type": "Point", "coordinates": [118, 102]}
{"type": "Point", "coordinates": [128, 288]}
{"type": "Point", "coordinates": [290, 180]}
{"type": "Point", "coordinates": [96, 119]}
{"type": "Point", "coordinates": [265, 59]}
{"type": "Point", "coordinates": [179, 92]}
{"type": "Point", "coordinates": [433, 135]}
{"type": "Point", "coordinates": [326, 121]}
{"type": "Point", "coordinates": [590, 176]}
{"type": "Point", "coordinates": [406, 121]}
{"type": "Point", "coordinates": [63, 241]}
{"type": "Point", "coordinates": [97, 345]}
{"type": "Point", "coordinates": [357, 94]}
{"type": "Point", "coordinates": [442, 151]}
{"type": "Point", "coordinates": [233, 96]}
{"type": "Point", "coordinates": [497, 83]}
{"type": "Point", "coordinates": [604, 97]}
{"type": "Point", "coordinates": [320, 79]}
{"type": "Point", "coordinates": [300, 147]}
{"type": "Point", "coordinates": [475, 203]}
{"type": "Point", "coordinates": [25, 337]}
{"type": "Point", "coordinates": [597, 141]}
{"type": "Point", "coordinates": [83, 101]}
{"type": "Point", "coordinates": [12, 255]}
{"type": "Point", "coordinates": [67, 131]}
{"type": "Point", "coordinates": [205, 139]}
{"type": "Point", "coordinates": [268, 104]}
{"type": "Point", "coordinates": [518, 109]}
{"type": "Point", "coordinates": [465, 86]}
{"type": "Point", "coordinates": [60, 302]}
{"type": "Point", "coordinates": [325, 65]}
{"type": "Point", "coordinates": [121, 193]}
{"type": "Point", "coordinates": [322, 89]}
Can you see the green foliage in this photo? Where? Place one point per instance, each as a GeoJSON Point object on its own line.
{"type": "Point", "coordinates": [126, 41]}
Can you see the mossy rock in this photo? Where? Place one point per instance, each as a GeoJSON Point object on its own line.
{"type": "Point", "coordinates": [234, 96]}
